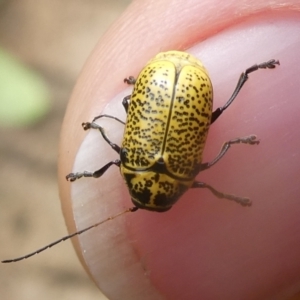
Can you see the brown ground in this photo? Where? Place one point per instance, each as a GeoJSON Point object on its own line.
{"type": "Point", "coordinates": [41, 33]}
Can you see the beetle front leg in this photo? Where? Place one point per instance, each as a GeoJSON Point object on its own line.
{"type": "Point", "coordinates": [250, 140]}
{"type": "Point", "coordinates": [107, 116]}
{"type": "Point", "coordinates": [241, 200]}
{"type": "Point", "coordinates": [130, 80]}
{"type": "Point", "coordinates": [93, 125]}
{"type": "Point", "coordinates": [96, 174]}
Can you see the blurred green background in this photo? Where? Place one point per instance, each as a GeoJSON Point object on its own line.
{"type": "Point", "coordinates": [43, 46]}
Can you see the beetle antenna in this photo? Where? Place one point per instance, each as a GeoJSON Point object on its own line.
{"type": "Point", "coordinates": [132, 209]}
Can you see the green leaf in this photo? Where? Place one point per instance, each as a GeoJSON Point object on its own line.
{"type": "Point", "coordinates": [24, 96]}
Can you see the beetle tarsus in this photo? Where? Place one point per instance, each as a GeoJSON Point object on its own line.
{"type": "Point", "coordinates": [130, 80]}
{"type": "Point", "coordinates": [73, 176]}
{"type": "Point", "coordinates": [86, 125]}
{"type": "Point", "coordinates": [241, 200]}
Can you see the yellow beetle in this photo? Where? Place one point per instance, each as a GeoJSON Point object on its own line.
{"type": "Point", "coordinates": [168, 117]}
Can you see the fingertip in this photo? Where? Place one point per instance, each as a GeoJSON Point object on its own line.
{"type": "Point", "coordinates": [118, 254]}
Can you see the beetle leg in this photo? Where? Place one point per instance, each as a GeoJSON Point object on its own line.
{"type": "Point", "coordinates": [108, 116]}
{"type": "Point", "coordinates": [130, 80]}
{"type": "Point", "coordinates": [271, 64]}
{"type": "Point", "coordinates": [251, 140]}
{"type": "Point", "coordinates": [96, 174]}
{"type": "Point", "coordinates": [241, 200]}
{"type": "Point", "coordinates": [125, 102]}
{"type": "Point", "coordinates": [93, 125]}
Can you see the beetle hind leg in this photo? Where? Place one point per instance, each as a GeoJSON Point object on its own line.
{"type": "Point", "coordinates": [241, 200]}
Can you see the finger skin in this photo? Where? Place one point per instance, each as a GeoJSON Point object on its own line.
{"type": "Point", "coordinates": [203, 248]}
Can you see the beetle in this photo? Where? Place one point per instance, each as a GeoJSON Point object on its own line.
{"type": "Point", "coordinates": [169, 114]}
{"type": "Point", "coordinates": [168, 117]}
